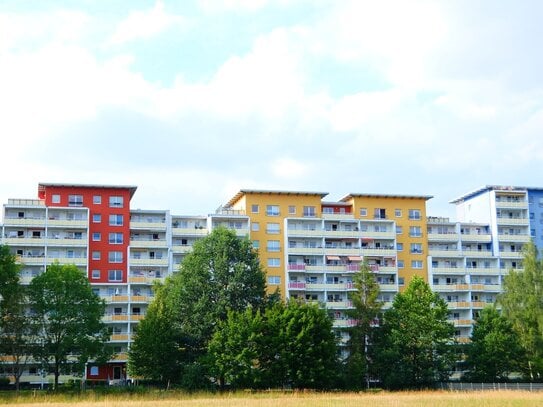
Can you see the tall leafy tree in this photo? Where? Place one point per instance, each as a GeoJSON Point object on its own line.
{"type": "Point", "coordinates": [68, 318]}
{"type": "Point", "coordinates": [222, 273]}
{"type": "Point", "coordinates": [366, 312]}
{"type": "Point", "coordinates": [157, 351]}
{"type": "Point", "coordinates": [522, 304]}
{"type": "Point", "coordinates": [16, 335]}
{"type": "Point", "coordinates": [494, 351]}
{"type": "Point", "coordinates": [415, 340]}
{"type": "Point", "coordinates": [289, 345]}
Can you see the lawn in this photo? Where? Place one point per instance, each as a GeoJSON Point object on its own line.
{"type": "Point", "coordinates": [381, 399]}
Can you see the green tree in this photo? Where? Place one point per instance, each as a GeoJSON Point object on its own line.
{"type": "Point", "coordinates": [222, 273]}
{"type": "Point", "coordinates": [16, 335]}
{"type": "Point", "coordinates": [522, 304]}
{"type": "Point", "coordinates": [68, 318]}
{"type": "Point", "coordinates": [366, 311]}
{"type": "Point", "coordinates": [289, 345]}
{"type": "Point", "coordinates": [235, 349]}
{"type": "Point", "coordinates": [415, 341]}
{"type": "Point", "coordinates": [494, 351]}
{"type": "Point", "coordinates": [157, 350]}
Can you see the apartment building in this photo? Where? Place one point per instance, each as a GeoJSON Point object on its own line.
{"type": "Point", "coordinates": [309, 247]}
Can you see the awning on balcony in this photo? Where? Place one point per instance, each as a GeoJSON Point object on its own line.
{"type": "Point", "coordinates": [332, 257]}
{"type": "Point", "coordinates": [354, 258]}
{"type": "Point", "coordinates": [367, 239]}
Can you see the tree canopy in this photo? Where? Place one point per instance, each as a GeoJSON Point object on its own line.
{"type": "Point", "coordinates": [415, 339]}
{"type": "Point", "coordinates": [68, 317]}
{"type": "Point", "coordinates": [522, 304]}
{"type": "Point", "coordinates": [494, 351]}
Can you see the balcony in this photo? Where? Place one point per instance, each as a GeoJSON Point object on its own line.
{"type": "Point", "coordinates": [144, 299]}
{"type": "Point", "coordinates": [148, 225]}
{"type": "Point", "coordinates": [444, 253]}
{"type": "Point", "coordinates": [476, 238]}
{"type": "Point", "coordinates": [195, 231]}
{"type": "Point", "coordinates": [515, 238]}
{"type": "Point", "coordinates": [449, 270]}
{"type": "Point", "coordinates": [342, 234]}
{"type": "Point", "coordinates": [115, 318]}
{"type": "Point", "coordinates": [339, 304]}
{"type": "Point", "coordinates": [380, 235]}
{"type": "Point", "coordinates": [329, 286]}
{"type": "Point", "coordinates": [25, 222]}
{"type": "Point", "coordinates": [483, 270]}
{"type": "Point", "coordinates": [459, 305]}
{"type": "Point", "coordinates": [295, 232]}
{"type": "Point", "coordinates": [337, 216]}
{"type": "Point", "coordinates": [116, 299]}
{"type": "Point", "coordinates": [486, 287]}
{"type": "Point", "coordinates": [476, 253]}
{"type": "Point", "coordinates": [344, 323]}
{"type": "Point", "coordinates": [508, 254]}
{"type": "Point", "coordinates": [120, 338]}
{"type": "Point", "coordinates": [149, 262]}
{"type": "Point", "coordinates": [443, 237]}
{"type": "Point", "coordinates": [296, 267]}
{"type": "Point", "coordinates": [305, 250]}
{"type": "Point", "coordinates": [512, 221]}
{"type": "Point", "coordinates": [295, 285]}
{"type": "Point", "coordinates": [144, 280]}
{"type": "Point", "coordinates": [450, 287]}
{"type": "Point", "coordinates": [504, 204]}
{"type": "Point", "coordinates": [461, 322]}
{"type": "Point", "coordinates": [378, 252]}
{"type": "Point", "coordinates": [342, 251]}
{"type": "Point", "coordinates": [67, 223]}
{"type": "Point", "coordinates": [146, 243]}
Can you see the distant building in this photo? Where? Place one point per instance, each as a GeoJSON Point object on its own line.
{"type": "Point", "coordinates": [308, 246]}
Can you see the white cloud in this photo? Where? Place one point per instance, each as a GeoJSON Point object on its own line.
{"type": "Point", "coordinates": [145, 24]}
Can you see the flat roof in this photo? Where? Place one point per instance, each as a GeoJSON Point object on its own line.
{"type": "Point", "coordinates": [366, 195]}
{"type": "Point", "coordinates": [242, 192]}
{"type": "Point", "coordinates": [131, 188]}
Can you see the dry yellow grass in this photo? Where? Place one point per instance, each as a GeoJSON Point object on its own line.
{"type": "Point", "coordinates": [382, 399]}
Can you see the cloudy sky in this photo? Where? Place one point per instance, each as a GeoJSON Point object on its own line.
{"type": "Point", "coordinates": [192, 101]}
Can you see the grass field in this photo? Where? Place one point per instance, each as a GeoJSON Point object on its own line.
{"type": "Point", "coordinates": [381, 399]}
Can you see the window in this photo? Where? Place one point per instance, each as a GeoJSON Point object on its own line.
{"type": "Point", "coordinates": [256, 244]}
{"type": "Point", "coordinates": [272, 210]}
{"type": "Point", "coordinates": [255, 208]}
{"type": "Point", "coordinates": [309, 211]}
{"type": "Point", "coordinates": [416, 264]}
{"type": "Point", "coordinates": [96, 255]}
{"type": "Point", "coordinates": [255, 226]}
{"type": "Point", "coordinates": [116, 201]}
{"type": "Point", "coordinates": [75, 200]}
{"type": "Point", "coordinates": [274, 262]}
{"type": "Point", "coordinates": [96, 236]}
{"type": "Point", "coordinates": [273, 246]}
{"type": "Point", "coordinates": [272, 228]}
{"type": "Point", "coordinates": [97, 199]}
{"type": "Point", "coordinates": [414, 214]}
{"type": "Point", "coordinates": [115, 257]}
{"type": "Point", "coordinates": [274, 280]}
{"type": "Point", "coordinates": [398, 213]}
{"type": "Point", "coordinates": [379, 213]}
{"type": "Point", "coordinates": [399, 230]}
{"type": "Point", "coordinates": [363, 212]}
{"type": "Point", "coordinates": [96, 218]}
{"type": "Point", "coordinates": [115, 275]}
{"type": "Point", "coordinates": [399, 246]}
{"type": "Point", "coordinates": [95, 274]}
{"type": "Point", "coordinates": [93, 371]}
{"type": "Point", "coordinates": [292, 210]}
{"type": "Point", "coordinates": [416, 248]}
{"type": "Point", "coordinates": [401, 281]}
{"type": "Point", "coordinates": [400, 264]}
{"type": "Point", "coordinates": [55, 198]}
{"type": "Point", "coordinates": [116, 238]}
{"type": "Point", "coordinates": [415, 231]}
{"type": "Point", "coordinates": [115, 220]}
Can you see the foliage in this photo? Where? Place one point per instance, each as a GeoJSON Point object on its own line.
{"type": "Point", "coordinates": [222, 273]}
{"type": "Point", "coordinates": [68, 317]}
{"type": "Point", "coordinates": [366, 311]}
{"type": "Point", "coordinates": [289, 345]}
{"type": "Point", "coordinates": [494, 351]}
{"type": "Point", "coordinates": [522, 304]}
{"type": "Point", "coordinates": [16, 335]}
{"type": "Point", "coordinates": [156, 352]}
{"type": "Point", "coordinates": [415, 340]}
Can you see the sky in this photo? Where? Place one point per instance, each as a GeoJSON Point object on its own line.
{"type": "Point", "coordinates": [192, 101]}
